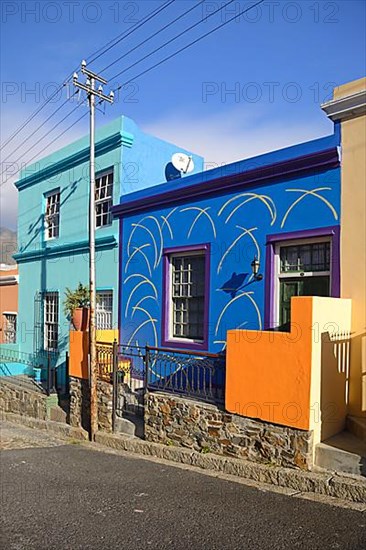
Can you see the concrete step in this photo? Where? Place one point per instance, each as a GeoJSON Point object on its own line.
{"type": "Point", "coordinates": [124, 426]}
{"type": "Point", "coordinates": [357, 426]}
{"type": "Point", "coordinates": [343, 452]}
{"type": "Point", "coordinates": [57, 414]}
{"type": "Point", "coordinates": [23, 382]}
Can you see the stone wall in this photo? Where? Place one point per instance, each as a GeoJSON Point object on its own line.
{"type": "Point", "coordinates": [79, 415]}
{"type": "Point", "coordinates": [203, 427]}
{"type": "Point", "coordinates": [18, 400]}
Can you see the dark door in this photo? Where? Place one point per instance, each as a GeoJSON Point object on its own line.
{"type": "Point", "coordinates": [301, 286]}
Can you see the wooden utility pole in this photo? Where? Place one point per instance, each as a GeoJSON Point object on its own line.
{"type": "Point", "coordinates": [92, 93]}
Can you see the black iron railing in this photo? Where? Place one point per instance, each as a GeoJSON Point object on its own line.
{"type": "Point", "coordinates": [195, 374]}
{"type": "Point", "coordinates": [45, 360]}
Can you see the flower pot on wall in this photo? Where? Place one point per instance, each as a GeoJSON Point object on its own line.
{"type": "Point", "coordinates": [80, 318]}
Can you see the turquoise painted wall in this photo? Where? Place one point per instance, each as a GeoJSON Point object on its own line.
{"type": "Point", "coordinates": [139, 162]}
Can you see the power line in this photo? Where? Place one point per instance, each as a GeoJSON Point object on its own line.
{"type": "Point", "coordinates": [40, 126]}
{"type": "Point", "coordinates": [184, 47]}
{"type": "Point", "coordinates": [170, 40]}
{"type": "Point", "coordinates": [32, 116]}
{"type": "Point", "coordinates": [122, 36]}
{"type": "Point", "coordinates": [148, 70]}
{"type": "Point", "coordinates": [154, 35]}
{"type": "Point", "coordinates": [108, 46]}
{"type": "Point", "coordinates": [45, 135]}
{"type": "Point", "coordinates": [125, 35]}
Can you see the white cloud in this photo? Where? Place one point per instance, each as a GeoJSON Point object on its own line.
{"type": "Point", "coordinates": [233, 134]}
{"type": "Point", "coordinates": [15, 155]}
{"type": "Point", "coordinates": [236, 134]}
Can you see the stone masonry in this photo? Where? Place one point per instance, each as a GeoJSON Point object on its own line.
{"type": "Point", "coordinates": [174, 420]}
{"type": "Point", "coordinates": [23, 401]}
{"type": "Point", "coordinates": [80, 404]}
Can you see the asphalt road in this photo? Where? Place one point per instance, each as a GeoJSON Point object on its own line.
{"type": "Point", "coordinates": [71, 497]}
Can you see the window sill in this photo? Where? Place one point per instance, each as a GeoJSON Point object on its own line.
{"type": "Point", "coordinates": [185, 344]}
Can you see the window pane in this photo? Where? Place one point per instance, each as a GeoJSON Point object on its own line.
{"type": "Point", "coordinates": [52, 215]}
{"type": "Point", "coordinates": [188, 289]}
{"type": "Point", "coordinates": [51, 320]}
{"type": "Point", "coordinates": [103, 199]}
{"type": "Point", "coordinates": [104, 310]}
{"type": "Point", "coordinates": [305, 257]}
{"type": "Point", "coordinates": [10, 328]}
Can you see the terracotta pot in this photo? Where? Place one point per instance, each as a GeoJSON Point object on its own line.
{"type": "Point", "coordinates": [80, 318]}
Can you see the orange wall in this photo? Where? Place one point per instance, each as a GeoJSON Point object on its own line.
{"type": "Point", "coordinates": [297, 379]}
{"type": "Point", "coordinates": [79, 349]}
{"type": "Point", "coordinates": [8, 298]}
{"type": "Point", "coordinates": [268, 373]}
{"type": "Point", "coordinates": [78, 354]}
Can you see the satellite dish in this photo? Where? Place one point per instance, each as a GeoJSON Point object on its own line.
{"type": "Point", "coordinates": [183, 163]}
{"type": "Point", "coordinates": [172, 173]}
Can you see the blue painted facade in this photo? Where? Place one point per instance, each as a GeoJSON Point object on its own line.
{"type": "Point", "coordinates": [138, 161]}
{"type": "Point", "coordinates": [233, 211]}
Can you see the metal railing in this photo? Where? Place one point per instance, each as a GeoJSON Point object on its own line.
{"type": "Point", "coordinates": [45, 360]}
{"type": "Point", "coordinates": [196, 374]}
{"type": "Point", "coordinates": [104, 360]}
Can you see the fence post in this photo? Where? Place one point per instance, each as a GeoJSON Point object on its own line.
{"type": "Point", "coordinates": [146, 373]}
{"type": "Point", "coordinates": [67, 385]}
{"type": "Point", "coordinates": [115, 384]}
{"type": "Point", "coordinates": [48, 373]}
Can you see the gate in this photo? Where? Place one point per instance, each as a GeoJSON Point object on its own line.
{"type": "Point", "coordinates": [134, 369]}
{"type": "Point", "coordinates": [124, 367]}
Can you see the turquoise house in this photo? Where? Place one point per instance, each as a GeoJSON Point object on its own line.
{"type": "Point", "coordinates": [53, 229]}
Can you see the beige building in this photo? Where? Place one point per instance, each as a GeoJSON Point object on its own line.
{"type": "Point", "coordinates": [348, 108]}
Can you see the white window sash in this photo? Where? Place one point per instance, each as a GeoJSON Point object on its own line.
{"type": "Point", "coordinates": [104, 310]}
{"type": "Point", "coordinates": [51, 326]}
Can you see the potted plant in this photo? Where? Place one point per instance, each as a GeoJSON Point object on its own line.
{"type": "Point", "coordinates": [76, 306]}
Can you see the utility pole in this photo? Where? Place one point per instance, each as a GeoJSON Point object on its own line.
{"type": "Point", "coordinates": [92, 93]}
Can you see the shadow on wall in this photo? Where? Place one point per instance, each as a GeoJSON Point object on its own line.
{"type": "Point", "coordinates": [235, 283]}
{"type": "Point", "coordinates": [341, 383]}
{"type": "Point", "coordinates": [357, 388]}
{"type": "Point", "coordinates": [37, 227]}
{"type": "Point", "coordinates": [335, 375]}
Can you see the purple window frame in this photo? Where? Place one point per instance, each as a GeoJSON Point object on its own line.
{"type": "Point", "coordinates": [272, 240]}
{"type": "Point", "coordinates": [173, 342]}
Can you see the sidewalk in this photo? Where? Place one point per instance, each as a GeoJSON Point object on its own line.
{"type": "Point", "coordinates": [299, 483]}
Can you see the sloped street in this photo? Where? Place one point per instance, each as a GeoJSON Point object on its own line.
{"type": "Point", "coordinates": [63, 495]}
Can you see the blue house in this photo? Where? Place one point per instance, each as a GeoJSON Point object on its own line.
{"type": "Point", "coordinates": [53, 228]}
{"type": "Point", "coordinates": [229, 247]}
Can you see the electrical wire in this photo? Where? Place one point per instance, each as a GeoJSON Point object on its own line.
{"type": "Point", "coordinates": [108, 46]}
{"type": "Point", "coordinates": [122, 36]}
{"type": "Point", "coordinates": [40, 126]}
{"type": "Point", "coordinates": [154, 35]}
{"type": "Point", "coordinates": [169, 41]}
{"type": "Point", "coordinates": [45, 135]}
{"type": "Point", "coordinates": [148, 70]}
{"type": "Point", "coordinates": [185, 47]}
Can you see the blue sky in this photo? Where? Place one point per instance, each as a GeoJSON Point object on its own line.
{"type": "Point", "coordinates": [279, 61]}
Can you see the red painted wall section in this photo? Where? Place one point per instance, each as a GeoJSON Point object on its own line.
{"type": "Point", "coordinates": [8, 298]}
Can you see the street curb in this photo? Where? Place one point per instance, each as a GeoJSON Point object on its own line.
{"type": "Point", "coordinates": [328, 484]}
{"type": "Point", "coordinates": [58, 428]}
